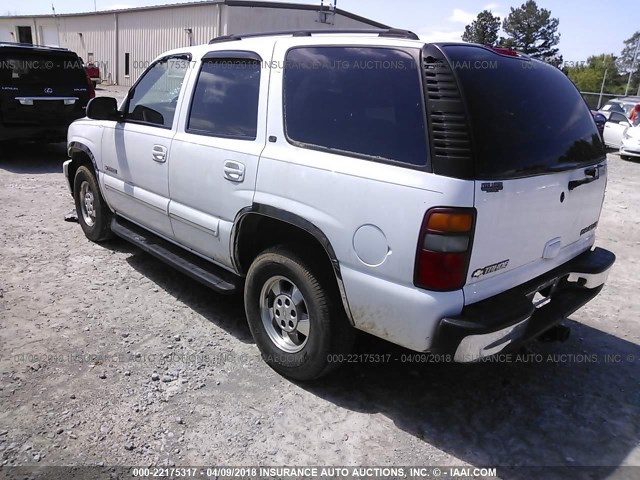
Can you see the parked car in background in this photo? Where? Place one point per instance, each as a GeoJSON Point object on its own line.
{"type": "Point", "coordinates": [42, 90]}
{"type": "Point", "coordinates": [622, 105]}
{"type": "Point", "coordinates": [614, 129]}
{"type": "Point", "coordinates": [93, 72]}
{"type": "Point", "coordinates": [630, 146]}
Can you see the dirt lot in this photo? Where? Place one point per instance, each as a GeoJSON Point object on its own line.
{"type": "Point", "coordinates": [85, 327]}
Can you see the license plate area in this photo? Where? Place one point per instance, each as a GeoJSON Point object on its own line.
{"type": "Point", "coordinates": [542, 295]}
{"type": "Point", "coordinates": [49, 106]}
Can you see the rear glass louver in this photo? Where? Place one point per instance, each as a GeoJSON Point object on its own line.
{"type": "Point", "coordinates": [448, 125]}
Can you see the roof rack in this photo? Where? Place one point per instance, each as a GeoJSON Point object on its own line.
{"type": "Point", "coordinates": [31, 45]}
{"type": "Point", "coordinates": [382, 32]}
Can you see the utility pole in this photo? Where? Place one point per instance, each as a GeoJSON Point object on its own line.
{"type": "Point", "coordinates": [604, 79]}
{"type": "Point", "coordinates": [633, 64]}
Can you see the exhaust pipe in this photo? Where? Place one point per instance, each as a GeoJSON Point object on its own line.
{"type": "Point", "coordinates": [559, 333]}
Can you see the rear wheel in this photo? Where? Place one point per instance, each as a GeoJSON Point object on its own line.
{"type": "Point", "coordinates": [294, 315]}
{"type": "Point", "coordinates": [94, 215]}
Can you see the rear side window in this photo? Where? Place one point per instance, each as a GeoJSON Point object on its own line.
{"type": "Point", "coordinates": [356, 101]}
{"type": "Point", "coordinates": [225, 102]}
{"type": "Point", "coordinates": [35, 68]}
{"type": "Point", "coordinates": [526, 117]}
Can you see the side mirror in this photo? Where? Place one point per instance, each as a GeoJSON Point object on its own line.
{"type": "Point", "coordinates": [103, 108]}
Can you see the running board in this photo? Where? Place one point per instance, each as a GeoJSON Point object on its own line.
{"type": "Point", "coordinates": [186, 262]}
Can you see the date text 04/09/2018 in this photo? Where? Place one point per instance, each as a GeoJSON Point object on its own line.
{"type": "Point", "coordinates": [326, 472]}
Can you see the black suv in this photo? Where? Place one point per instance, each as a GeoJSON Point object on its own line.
{"type": "Point", "coordinates": [42, 90]}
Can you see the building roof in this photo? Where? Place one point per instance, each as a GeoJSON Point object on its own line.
{"type": "Point", "coordinates": [231, 3]}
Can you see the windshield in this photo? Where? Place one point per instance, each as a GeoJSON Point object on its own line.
{"type": "Point", "coordinates": [526, 117]}
{"type": "Point", "coordinates": [40, 68]}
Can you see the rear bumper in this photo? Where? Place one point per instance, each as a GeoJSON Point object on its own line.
{"type": "Point", "coordinates": [508, 320]}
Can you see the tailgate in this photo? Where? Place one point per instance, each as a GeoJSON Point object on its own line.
{"type": "Point", "coordinates": [40, 87]}
{"type": "Point", "coordinates": [537, 162]}
{"type": "Point", "coordinates": [528, 226]}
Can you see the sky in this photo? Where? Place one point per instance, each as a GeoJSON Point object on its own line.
{"type": "Point", "coordinates": [587, 27]}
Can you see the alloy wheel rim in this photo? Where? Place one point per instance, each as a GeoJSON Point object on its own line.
{"type": "Point", "coordinates": [87, 206]}
{"type": "Point", "coordinates": [284, 313]}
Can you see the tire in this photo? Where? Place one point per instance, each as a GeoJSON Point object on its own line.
{"type": "Point", "coordinates": [295, 315]}
{"type": "Point", "coordinates": [625, 157]}
{"type": "Point", "coordinates": [94, 215]}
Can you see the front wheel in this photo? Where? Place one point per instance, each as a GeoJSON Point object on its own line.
{"type": "Point", "coordinates": [295, 316]}
{"type": "Point", "coordinates": [93, 213]}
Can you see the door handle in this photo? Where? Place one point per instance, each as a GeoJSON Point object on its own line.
{"type": "Point", "coordinates": [592, 174]}
{"type": "Point", "coordinates": [159, 153]}
{"type": "Point", "coordinates": [233, 171]}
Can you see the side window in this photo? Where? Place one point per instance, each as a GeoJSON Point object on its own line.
{"type": "Point", "coordinates": [618, 117]}
{"type": "Point", "coordinates": [356, 100]}
{"type": "Point", "coordinates": [155, 96]}
{"type": "Point", "coordinates": [225, 101]}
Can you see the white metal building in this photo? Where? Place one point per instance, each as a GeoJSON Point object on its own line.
{"type": "Point", "coordinates": [123, 42]}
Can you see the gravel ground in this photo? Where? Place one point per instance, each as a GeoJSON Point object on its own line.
{"type": "Point", "coordinates": [110, 357]}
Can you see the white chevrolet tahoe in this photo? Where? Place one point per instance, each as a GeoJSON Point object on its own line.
{"type": "Point", "coordinates": [443, 197]}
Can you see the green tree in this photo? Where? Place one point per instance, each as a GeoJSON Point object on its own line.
{"type": "Point", "coordinates": [588, 77]}
{"type": "Point", "coordinates": [626, 63]}
{"type": "Point", "coordinates": [483, 30]}
{"type": "Point", "coordinates": [625, 60]}
{"type": "Point", "coordinates": [532, 30]}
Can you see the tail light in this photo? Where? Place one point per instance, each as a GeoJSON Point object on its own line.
{"type": "Point", "coordinates": [444, 248]}
{"type": "Point", "coordinates": [91, 90]}
{"type": "Point", "coordinates": [504, 51]}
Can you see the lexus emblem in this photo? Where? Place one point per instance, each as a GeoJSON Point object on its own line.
{"type": "Point", "coordinates": [48, 90]}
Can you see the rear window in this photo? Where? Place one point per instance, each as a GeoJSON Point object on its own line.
{"type": "Point", "coordinates": [526, 117]}
{"type": "Point", "coordinates": [32, 68]}
{"type": "Point", "coordinates": [364, 102]}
